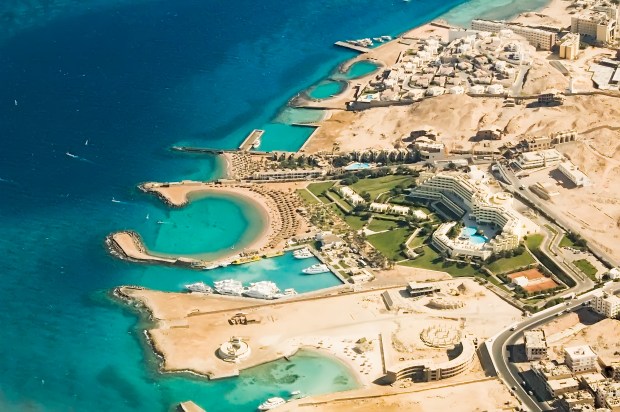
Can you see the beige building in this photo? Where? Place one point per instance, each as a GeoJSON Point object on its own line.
{"type": "Point", "coordinates": [569, 46]}
{"type": "Point", "coordinates": [597, 25]}
{"type": "Point", "coordinates": [289, 174]}
{"type": "Point", "coordinates": [573, 174]}
{"type": "Point", "coordinates": [541, 39]}
{"type": "Point", "coordinates": [580, 358]}
{"type": "Point", "coordinates": [535, 344]}
{"type": "Point", "coordinates": [541, 158]}
{"type": "Point", "coordinates": [606, 304]}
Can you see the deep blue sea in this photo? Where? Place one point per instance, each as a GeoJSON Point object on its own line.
{"type": "Point", "coordinates": [115, 84]}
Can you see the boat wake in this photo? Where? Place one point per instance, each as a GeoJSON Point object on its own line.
{"type": "Point", "coordinates": [80, 158]}
{"type": "Point", "coordinates": [8, 181]}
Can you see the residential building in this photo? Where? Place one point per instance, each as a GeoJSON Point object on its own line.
{"type": "Point", "coordinates": [535, 344]}
{"type": "Point", "coordinates": [606, 304]}
{"type": "Point", "coordinates": [579, 398]}
{"type": "Point", "coordinates": [597, 25]}
{"type": "Point", "coordinates": [379, 207]}
{"type": "Point", "coordinates": [569, 46]}
{"type": "Point", "coordinates": [580, 358]}
{"type": "Point", "coordinates": [289, 174]}
{"type": "Point", "coordinates": [541, 39]}
{"type": "Point", "coordinates": [490, 133]}
{"type": "Point", "coordinates": [421, 289]}
{"type": "Point", "coordinates": [540, 158]}
{"type": "Point", "coordinates": [573, 174]}
{"type": "Point", "coordinates": [536, 143]}
{"type": "Point", "coordinates": [551, 97]}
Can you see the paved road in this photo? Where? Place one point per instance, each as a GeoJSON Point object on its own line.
{"type": "Point", "coordinates": [507, 371]}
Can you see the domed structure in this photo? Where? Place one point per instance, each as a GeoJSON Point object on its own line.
{"type": "Point", "coordinates": [235, 350]}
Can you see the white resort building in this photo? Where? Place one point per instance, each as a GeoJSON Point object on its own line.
{"type": "Point", "coordinates": [469, 197]}
{"type": "Point", "coordinates": [606, 304]}
{"type": "Point", "coordinates": [351, 196]}
{"type": "Point", "coordinates": [580, 358]}
{"type": "Point", "coordinates": [573, 174]}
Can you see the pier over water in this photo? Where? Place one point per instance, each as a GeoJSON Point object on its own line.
{"type": "Point", "coordinates": [252, 138]}
{"type": "Point", "coordinates": [350, 46]}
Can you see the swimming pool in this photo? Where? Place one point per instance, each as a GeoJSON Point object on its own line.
{"type": "Point", "coordinates": [476, 239]}
{"type": "Point", "coordinates": [357, 166]}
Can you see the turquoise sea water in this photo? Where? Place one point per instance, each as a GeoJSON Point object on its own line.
{"type": "Point", "coordinates": [116, 83]}
{"type": "Point", "coordinates": [326, 89]}
{"type": "Point", "coordinates": [359, 69]}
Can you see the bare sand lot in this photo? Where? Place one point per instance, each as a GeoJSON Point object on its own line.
{"type": "Point", "coordinates": [475, 395]}
{"type": "Point", "coordinates": [457, 118]}
{"type": "Point", "coordinates": [188, 328]}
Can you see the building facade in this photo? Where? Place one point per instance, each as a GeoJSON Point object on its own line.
{"type": "Point", "coordinates": [541, 39]}
{"type": "Point", "coordinates": [535, 344]}
{"type": "Point", "coordinates": [580, 358]}
{"type": "Point", "coordinates": [569, 46]}
{"type": "Point", "coordinates": [606, 304]}
{"type": "Point", "coordinates": [597, 25]}
{"type": "Point", "coordinates": [573, 174]}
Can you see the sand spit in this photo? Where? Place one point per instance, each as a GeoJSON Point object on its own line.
{"type": "Point", "coordinates": [277, 204]}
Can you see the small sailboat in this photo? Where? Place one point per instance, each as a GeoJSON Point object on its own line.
{"type": "Point", "coordinates": [115, 201]}
{"type": "Point", "coordinates": [147, 216]}
{"type": "Point", "coordinates": [15, 102]}
{"type": "Point", "coordinates": [86, 142]}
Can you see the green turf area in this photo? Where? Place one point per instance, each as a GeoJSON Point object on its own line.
{"type": "Point", "coordinates": [533, 241]}
{"type": "Point", "coordinates": [510, 264]}
{"type": "Point", "coordinates": [319, 188]}
{"type": "Point", "coordinates": [379, 225]}
{"type": "Point", "coordinates": [355, 222]}
{"type": "Point", "coordinates": [388, 243]}
{"type": "Point", "coordinates": [417, 241]}
{"type": "Point", "coordinates": [307, 196]}
{"type": "Point", "coordinates": [431, 260]}
{"type": "Point", "coordinates": [382, 184]}
{"type": "Point", "coordinates": [586, 267]}
{"type": "Point", "coordinates": [566, 242]}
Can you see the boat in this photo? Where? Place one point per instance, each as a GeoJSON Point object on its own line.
{"type": "Point", "coordinates": [117, 201]}
{"type": "Point", "coordinates": [290, 292]}
{"type": "Point", "coordinates": [199, 287]}
{"type": "Point", "coordinates": [211, 266]}
{"type": "Point", "coordinates": [71, 155]}
{"type": "Point", "coordinates": [263, 290]}
{"type": "Point", "coordinates": [271, 403]}
{"type": "Point", "coordinates": [229, 287]}
{"type": "Point", "coordinates": [295, 393]}
{"type": "Point", "coordinates": [224, 264]}
{"type": "Point", "coordinates": [316, 269]}
{"type": "Point", "coordinates": [256, 143]}
{"type": "Point", "coordinates": [246, 259]}
{"type": "Point", "coordinates": [302, 254]}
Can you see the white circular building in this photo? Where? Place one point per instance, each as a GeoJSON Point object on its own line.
{"type": "Point", "coordinates": [235, 350]}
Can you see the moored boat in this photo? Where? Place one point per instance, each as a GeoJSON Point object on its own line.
{"type": "Point", "coordinates": [316, 269]}
{"type": "Point", "coordinates": [271, 403]}
{"type": "Point", "coordinates": [302, 254]}
{"type": "Point", "coordinates": [229, 287]}
{"type": "Point", "coordinates": [199, 287]}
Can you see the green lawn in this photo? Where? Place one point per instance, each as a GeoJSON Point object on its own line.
{"type": "Point", "coordinates": [509, 264]}
{"type": "Point", "coordinates": [382, 184]}
{"type": "Point", "coordinates": [355, 222]}
{"type": "Point", "coordinates": [417, 241]}
{"type": "Point", "coordinates": [378, 225]}
{"type": "Point", "coordinates": [533, 241]}
{"type": "Point", "coordinates": [432, 260]}
{"type": "Point", "coordinates": [388, 243]}
{"type": "Point", "coordinates": [566, 242]}
{"type": "Point", "coordinates": [307, 196]}
{"type": "Point", "coordinates": [319, 188]}
{"type": "Point", "coordinates": [586, 267]}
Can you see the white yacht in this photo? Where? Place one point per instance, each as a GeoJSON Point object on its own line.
{"type": "Point", "coordinates": [290, 292]}
{"type": "Point", "coordinates": [199, 287]}
{"type": "Point", "coordinates": [316, 269]}
{"type": "Point", "coordinates": [271, 403]}
{"type": "Point", "coordinates": [229, 287]}
{"type": "Point", "coordinates": [256, 143]}
{"type": "Point", "coordinates": [262, 290]}
{"type": "Point", "coordinates": [211, 266]}
{"type": "Point", "coordinates": [302, 254]}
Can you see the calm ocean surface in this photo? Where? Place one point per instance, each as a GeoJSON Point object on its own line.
{"type": "Point", "coordinates": [115, 84]}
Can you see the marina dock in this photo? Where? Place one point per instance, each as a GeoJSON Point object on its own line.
{"type": "Point", "coordinates": [350, 46]}
{"type": "Point", "coordinates": [251, 139]}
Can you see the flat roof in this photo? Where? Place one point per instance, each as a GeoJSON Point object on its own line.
{"type": "Point", "coordinates": [535, 338]}
{"type": "Point", "coordinates": [579, 351]}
